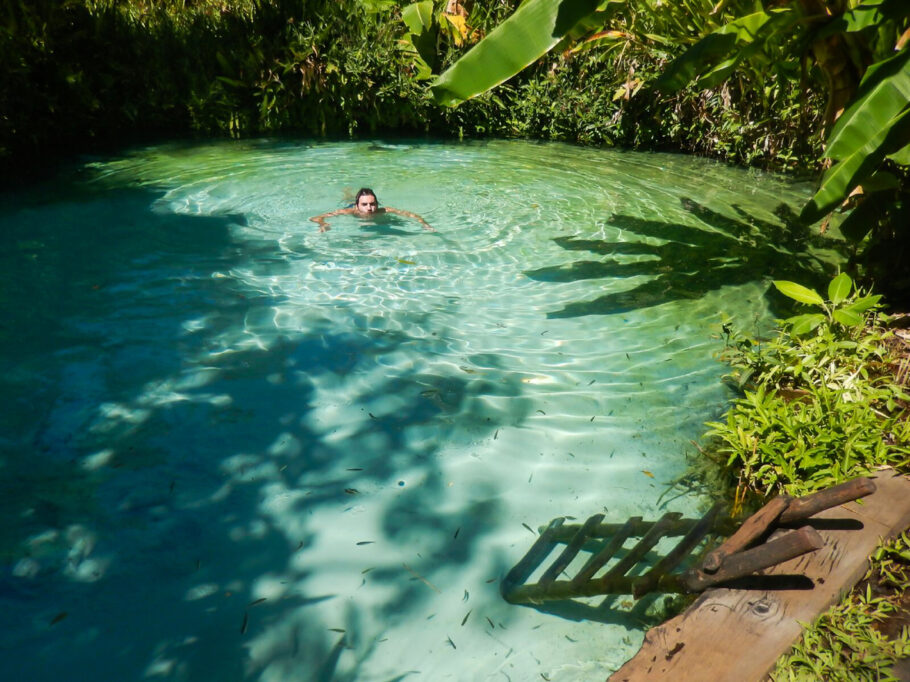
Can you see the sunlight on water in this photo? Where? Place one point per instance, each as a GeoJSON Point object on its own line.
{"type": "Point", "coordinates": [236, 447]}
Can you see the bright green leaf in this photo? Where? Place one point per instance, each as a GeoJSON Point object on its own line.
{"type": "Point", "coordinates": [839, 288]}
{"type": "Point", "coordinates": [798, 292]}
{"type": "Point", "coordinates": [902, 156]}
{"type": "Point", "coordinates": [418, 16]}
{"type": "Point", "coordinates": [863, 304]}
{"type": "Point", "coordinates": [803, 324]}
{"type": "Point", "coordinates": [848, 317]}
{"type": "Point", "coordinates": [839, 180]}
{"type": "Point", "coordinates": [746, 33]}
{"type": "Point", "coordinates": [534, 29]}
{"type": "Point", "coordinates": [884, 93]}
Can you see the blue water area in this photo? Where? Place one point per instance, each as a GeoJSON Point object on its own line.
{"type": "Point", "coordinates": [237, 448]}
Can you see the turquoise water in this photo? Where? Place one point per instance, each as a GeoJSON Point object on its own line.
{"type": "Point", "coordinates": [236, 448]}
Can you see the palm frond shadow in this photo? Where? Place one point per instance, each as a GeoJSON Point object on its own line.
{"type": "Point", "coordinates": [691, 261]}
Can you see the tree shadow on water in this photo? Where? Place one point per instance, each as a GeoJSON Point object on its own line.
{"type": "Point", "coordinates": [206, 479]}
{"type": "Point", "coordinates": [691, 261]}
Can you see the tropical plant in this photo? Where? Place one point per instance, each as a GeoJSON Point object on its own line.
{"type": "Point", "coordinates": [819, 402]}
{"type": "Point", "coordinates": [851, 44]}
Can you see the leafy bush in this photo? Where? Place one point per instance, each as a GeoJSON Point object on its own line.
{"type": "Point", "coordinates": [820, 405]}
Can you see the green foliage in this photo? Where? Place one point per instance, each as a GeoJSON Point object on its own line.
{"type": "Point", "coordinates": [77, 73]}
{"type": "Point", "coordinates": [535, 28]}
{"type": "Point", "coordinates": [844, 644]}
{"type": "Point", "coordinates": [849, 642]}
{"type": "Point", "coordinates": [819, 405]}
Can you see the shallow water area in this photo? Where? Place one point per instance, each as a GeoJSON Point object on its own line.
{"type": "Point", "coordinates": [239, 448]}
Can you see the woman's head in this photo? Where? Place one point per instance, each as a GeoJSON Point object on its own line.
{"type": "Point", "coordinates": [365, 201]}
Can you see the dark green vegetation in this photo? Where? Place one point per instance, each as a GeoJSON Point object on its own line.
{"type": "Point", "coordinates": [76, 75]}
{"type": "Point", "coordinates": [824, 401]}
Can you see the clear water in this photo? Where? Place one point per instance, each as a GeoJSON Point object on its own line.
{"type": "Point", "coordinates": [236, 448]}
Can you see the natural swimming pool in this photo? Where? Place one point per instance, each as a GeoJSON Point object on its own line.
{"type": "Point", "coordinates": [235, 447]}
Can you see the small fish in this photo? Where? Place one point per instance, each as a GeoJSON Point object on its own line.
{"type": "Point", "coordinates": [647, 473]}
{"type": "Point", "coordinates": [570, 639]}
{"type": "Point", "coordinates": [365, 542]}
{"type": "Point", "coordinates": [300, 546]}
{"type": "Point", "coordinates": [356, 469]}
{"type": "Point", "coordinates": [541, 411]}
{"type": "Point", "coordinates": [451, 642]}
{"type": "Point", "coordinates": [372, 416]}
{"type": "Point", "coordinates": [491, 580]}
{"type": "Point", "coordinates": [406, 262]}
{"type": "Point", "coordinates": [528, 527]}
{"type": "Point", "coordinates": [341, 630]}
{"type": "Point", "coordinates": [352, 491]}
{"type": "Point", "coordinates": [170, 490]}
{"type": "Point", "coordinates": [246, 622]}
{"type": "Point", "coordinates": [496, 435]}
{"type": "Point", "coordinates": [492, 627]}
{"type": "Point", "coordinates": [545, 332]}
{"type": "Point", "coordinates": [422, 579]}
{"type": "Point", "coordinates": [60, 616]}
{"type": "Point", "coordinates": [592, 418]}
{"type": "Point", "coordinates": [367, 570]}
{"type": "Point", "coordinates": [465, 619]}
{"type": "Point", "coordinates": [257, 601]}
{"type": "Point", "coordinates": [455, 537]}
{"type": "Point", "coordinates": [198, 564]}
{"type": "Point", "coordinates": [466, 596]}
{"type": "Point", "coordinates": [544, 675]}
{"type": "Point", "coordinates": [628, 357]}
{"type": "Point", "coordinates": [530, 477]}
{"type": "Point", "coordinates": [591, 382]}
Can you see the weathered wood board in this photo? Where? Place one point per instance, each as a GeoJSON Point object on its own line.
{"type": "Point", "coordinates": [737, 635]}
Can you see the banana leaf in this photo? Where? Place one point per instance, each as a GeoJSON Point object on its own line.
{"type": "Point", "coordinates": [418, 16]}
{"type": "Point", "coordinates": [883, 93]}
{"type": "Point", "coordinates": [902, 156]}
{"type": "Point", "coordinates": [846, 174]}
{"type": "Point", "coordinates": [533, 30]}
{"type": "Point", "coordinates": [719, 51]}
{"type": "Point", "coordinates": [870, 13]}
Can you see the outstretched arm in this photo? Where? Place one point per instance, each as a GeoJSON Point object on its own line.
{"type": "Point", "coordinates": [408, 214]}
{"type": "Point", "coordinates": [321, 219]}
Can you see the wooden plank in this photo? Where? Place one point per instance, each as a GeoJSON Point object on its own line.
{"type": "Point", "coordinates": [737, 635]}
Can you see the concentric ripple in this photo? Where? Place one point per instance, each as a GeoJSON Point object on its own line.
{"type": "Point", "coordinates": [240, 448]}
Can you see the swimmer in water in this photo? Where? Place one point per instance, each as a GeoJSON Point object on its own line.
{"type": "Point", "coordinates": [366, 205]}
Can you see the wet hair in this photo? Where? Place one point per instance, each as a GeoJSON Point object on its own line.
{"type": "Point", "coordinates": [364, 192]}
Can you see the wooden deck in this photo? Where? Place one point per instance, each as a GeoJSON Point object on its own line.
{"type": "Point", "coordinates": [738, 634]}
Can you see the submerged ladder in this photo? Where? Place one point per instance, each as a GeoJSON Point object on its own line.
{"type": "Point", "coordinates": [733, 559]}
